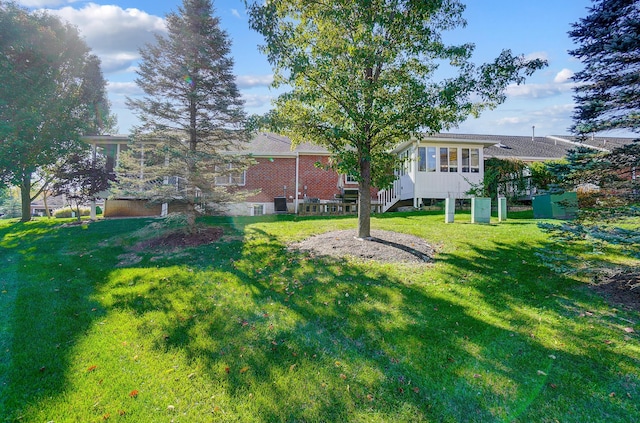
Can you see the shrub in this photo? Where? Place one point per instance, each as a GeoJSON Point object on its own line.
{"type": "Point", "coordinates": [68, 212]}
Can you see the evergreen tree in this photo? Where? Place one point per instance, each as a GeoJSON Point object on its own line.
{"type": "Point", "coordinates": [363, 78]}
{"type": "Point", "coordinates": [608, 93]}
{"type": "Point", "coordinates": [191, 113]}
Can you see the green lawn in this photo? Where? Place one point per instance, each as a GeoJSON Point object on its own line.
{"type": "Point", "coordinates": [246, 331]}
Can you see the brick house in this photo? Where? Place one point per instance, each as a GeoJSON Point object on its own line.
{"type": "Point", "coordinates": [298, 180]}
{"type": "Point", "coordinates": [287, 178]}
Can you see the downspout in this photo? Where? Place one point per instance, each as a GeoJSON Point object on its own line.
{"type": "Point", "coordinates": [94, 154]}
{"type": "Point", "coordinates": [414, 171]}
{"type": "Point", "coordinates": [297, 181]}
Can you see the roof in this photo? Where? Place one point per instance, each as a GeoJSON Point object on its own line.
{"type": "Point", "coordinates": [605, 143]}
{"type": "Point", "coordinates": [270, 144]}
{"type": "Point", "coordinates": [526, 148]}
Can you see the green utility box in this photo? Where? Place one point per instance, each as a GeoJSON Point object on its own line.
{"type": "Point", "coordinates": [502, 209]}
{"type": "Point", "coordinates": [555, 206]}
{"type": "Point", "coordinates": [480, 210]}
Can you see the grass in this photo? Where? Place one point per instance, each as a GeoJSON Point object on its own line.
{"type": "Point", "coordinates": [246, 331]}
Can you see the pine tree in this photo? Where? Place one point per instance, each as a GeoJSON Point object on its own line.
{"type": "Point", "coordinates": [191, 113]}
{"type": "Point", "coordinates": [608, 93]}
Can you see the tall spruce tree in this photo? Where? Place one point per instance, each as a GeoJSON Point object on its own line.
{"type": "Point", "coordinates": [608, 98]}
{"type": "Point", "coordinates": [191, 113]}
{"type": "Point", "coordinates": [608, 93]}
{"type": "Point", "coordinates": [363, 78]}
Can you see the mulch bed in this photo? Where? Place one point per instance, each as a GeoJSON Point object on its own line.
{"type": "Point", "coordinates": [200, 236]}
{"type": "Point", "coordinates": [622, 288]}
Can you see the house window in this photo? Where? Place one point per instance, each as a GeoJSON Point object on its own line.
{"type": "Point", "coordinates": [422, 159]}
{"type": "Point", "coordinates": [350, 179]}
{"type": "Point", "coordinates": [444, 159]}
{"type": "Point", "coordinates": [470, 160]}
{"type": "Point", "coordinates": [426, 159]}
{"type": "Point", "coordinates": [448, 159]}
{"type": "Point", "coordinates": [258, 210]}
{"type": "Point", "coordinates": [405, 163]}
{"type": "Point", "coordinates": [229, 177]}
{"type": "Point", "coordinates": [475, 160]}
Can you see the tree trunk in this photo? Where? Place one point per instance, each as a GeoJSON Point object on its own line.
{"type": "Point", "coordinates": [46, 206]}
{"type": "Point", "coordinates": [25, 195]}
{"type": "Point", "coordinates": [191, 217]}
{"type": "Point", "coordinates": [364, 198]}
{"type": "Point", "coordinates": [79, 216]}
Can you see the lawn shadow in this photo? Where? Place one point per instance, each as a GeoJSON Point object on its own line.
{"type": "Point", "coordinates": [290, 337]}
{"type": "Point", "coordinates": [320, 336]}
{"type": "Point", "coordinates": [47, 267]}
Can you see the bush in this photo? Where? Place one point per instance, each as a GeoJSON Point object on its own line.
{"type": "Point", "coordinates": [68, 212]}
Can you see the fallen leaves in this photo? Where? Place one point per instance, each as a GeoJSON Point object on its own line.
{"type": "Point", "coordinates": [134, 393]}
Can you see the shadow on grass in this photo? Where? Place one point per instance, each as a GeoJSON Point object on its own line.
{"type": "Point", "coordinates": [51, 272]}
{"type": "Point", "coordinates": [286, 337]}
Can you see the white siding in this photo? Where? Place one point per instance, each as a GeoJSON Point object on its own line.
{"type": "Point", "coordinates": [438, 184]}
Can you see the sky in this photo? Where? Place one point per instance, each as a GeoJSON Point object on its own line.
{"type": "Point", "coordinates": [115, 30]}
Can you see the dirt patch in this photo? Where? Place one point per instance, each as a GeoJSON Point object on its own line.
{"type": "Point", "coordinates": [621, 288]}
{"type": "Point", "coordinates": [384, 246]}
{"type": "Point", "coordinates": [173, 240]}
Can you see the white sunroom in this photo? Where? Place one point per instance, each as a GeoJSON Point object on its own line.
{"type": "Point", "coordinates": [436, 167]}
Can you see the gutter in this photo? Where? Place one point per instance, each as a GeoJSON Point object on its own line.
{"type": "Point", "coordinates": [577, 144]}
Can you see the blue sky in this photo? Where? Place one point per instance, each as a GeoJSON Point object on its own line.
{"type": "Point", "coordinates": [116, 29]}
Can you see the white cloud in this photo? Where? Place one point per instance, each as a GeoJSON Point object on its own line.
{"type": "Point", "coordinates": [44, 3]}
{"type": "Point", "coordinates": [251, 81]}
{"type": "Point", "coordinates": [256, 101]}
{"type": "Point", "coordinates": [235, 13]}
{"type": "Point", "coordinates": [113, 33]}
{"type": "Point", "coordinates": [540, 90]}
{"type": "Point", "coordinates": [563, 76]}
{"type": "Point", "coordinates": [514, 120]}
{"type": "Point", "coordinates": [543, 55]}
{"type": "Point", "coordinates": [124, 88]}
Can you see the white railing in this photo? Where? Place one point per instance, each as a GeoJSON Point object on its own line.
{"type": "Point", "coordinates": [388, 197]}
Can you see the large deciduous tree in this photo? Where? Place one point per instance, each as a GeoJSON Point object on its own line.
{"type": "Point", "coordinates": [364, 76]}
{"type": "Point", "coordinates": [191, 113]}
{"type": "Point", "coordinates": [51, 93]}
{"type": "Point", "coordinates": [608, 90]}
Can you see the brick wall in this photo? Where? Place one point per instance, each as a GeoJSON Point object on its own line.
{"type": "Point", "coordinates": [272, 175]}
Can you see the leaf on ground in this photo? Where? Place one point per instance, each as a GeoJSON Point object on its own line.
{"type": "Point", "coordinates": [541, 373]}
{"type": "Point", "coordinates": [629, 330]}
{"type": "Point", "coordinates": [244, 369]}
{"type": "Point", "coordinates": [134, 393]}
{"type": "Point", "coordinates": [91, 368]}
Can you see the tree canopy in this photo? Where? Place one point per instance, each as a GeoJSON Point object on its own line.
{"type": "Point", "coordinates": [364, 75]}
{"type": "Point", "coordinates": [608, 90]}
{"type": "Point", "coordinates": [51, 92]}
{"type": "Point", "coordinates": [191, 113]}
